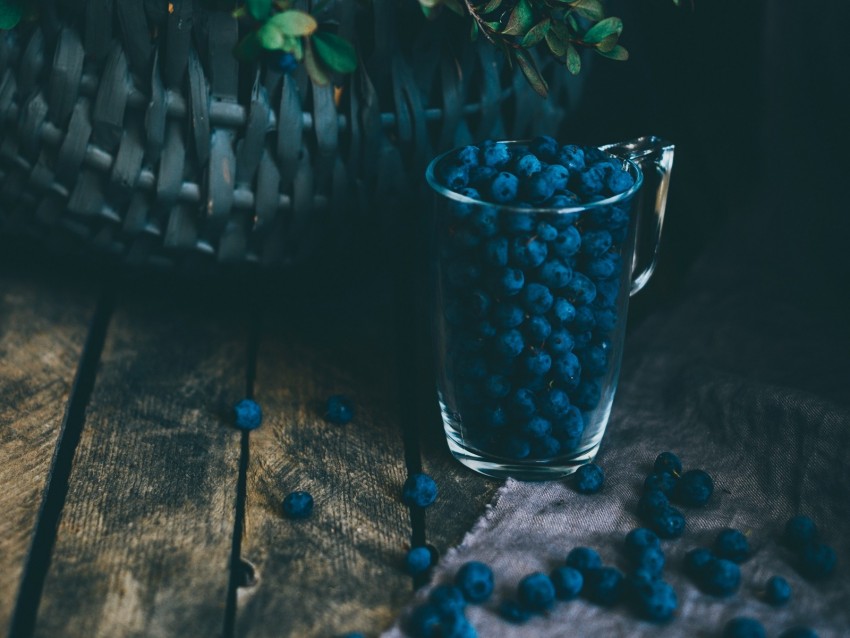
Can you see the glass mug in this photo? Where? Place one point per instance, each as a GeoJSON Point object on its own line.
{"type": "Point", "coordinates": [526, 379]}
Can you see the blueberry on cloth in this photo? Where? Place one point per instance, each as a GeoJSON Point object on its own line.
{"type": "Point", "coordinates": [496, 154]}
{"type": "Point", "coordinates": [668, 523]}
{"type": "Point", "coordinates": [339, 409]}
{"type": "Point", "coordinates": [638, 540]}
{"type": "Point", "coordinates": [656, 602]}
{"type": "Point", "coordinates": [511, 281]}
{"type": "Point", "coordinates": [799, 531]}
{"type": "Point", "coordinates": [447, 599]}
{"type": "Point", "coordinates": [584, 559]}
{"type": "Point", "coordinates": [419, 490]}
{"type": "Point", "coordinates": [733, 545]}
{"type": "Point", "coordinates": [667, 461]}
{"type": "Point", "coordinates": [475, 580]}
{"type": "Point", "coordinates": [298, 505]}
{"type": "Point", "coordinates": [513, 612]}
{"type": "Point", "coordinates": [777, 591]}
{"type": "Point", "coordinates": [588, 479]}
{"type": "Point", "coordinates": [604, 586]}
{"type": "Point", "coordinates": [639, 582]}
{"type": "Point", "coordinates": [567, 243]}
{"type": "Point", "coordinates": [247, 415]}
{"type": "Point", "coordinates": [661, 481]}
{"type": "Point", "coordinates": [536, 592]}
{"type": "Point", "coordinates": [418, 560]}
{"type": "Point", "coordinates": [696, 560]}
{"type": "Point", "coordinates": [693, 488]}
{"type": "Point", "coordinates": [744, 627]}
{"type": "Point", "coordinates": [528, 252]}
{"type": "Point", "coordinates": [424, 622]}
{"type": "Point", "coordinates": [817, 561]}
{"type": "Point", "coordinates": [798, 632]}
{"type": "Point", "coordinates": [651, 503]}
{"type": "Point", "coordinates": [457, 626]}
{"type": "Point", "coordinates": [720, 577]}
{"type": "Point", "coordinates": [568, 582]}
{"type": "Point", "coordinates": [651, 559]}
{"type": "Point", "coordinates": [503, 188]}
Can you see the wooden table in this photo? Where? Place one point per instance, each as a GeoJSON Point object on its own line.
{"type": "Point", "coordinates": [132, 508]}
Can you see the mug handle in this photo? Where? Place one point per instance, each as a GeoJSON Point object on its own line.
{"type": "Point", "coordinates": [654, 157]}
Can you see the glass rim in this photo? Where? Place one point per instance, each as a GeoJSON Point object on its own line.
{"type": "Point", "coordinates": [431, 178]}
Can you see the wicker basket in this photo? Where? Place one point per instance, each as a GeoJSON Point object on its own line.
{"type": "Point", "coordinates": [129, 128]}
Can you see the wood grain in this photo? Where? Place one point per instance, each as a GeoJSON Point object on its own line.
{"type": "Point", "coordinates": [43, 326]}
{"type": "Point", "coordinates": [341, 569]}
{"type": "Point", "coordinates": [144, 542]}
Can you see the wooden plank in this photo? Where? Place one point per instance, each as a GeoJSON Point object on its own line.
{"type": "Point", "coordinates": [43, 326]}
{"type": "Point", "coordinates": [144, 542]}
{"type": "Point", "coordinates": [341, 569]}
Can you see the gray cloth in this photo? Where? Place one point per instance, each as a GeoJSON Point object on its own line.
{"type": "Point", "coordinates": [740, 382]}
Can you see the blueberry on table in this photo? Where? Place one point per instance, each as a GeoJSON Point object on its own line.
{"type": "Point", "coordinates": [567, 581]}
{"type": "Point", "coordinates": [513, 612]}
{"type": "Point", "coordinates": [457, 626]}
{"type": "Point", "coordinates": [661, 481]}
{"type": "Point", "coordinates": [799, 632]}
{"type": "Point", "coordinates": [799, 531]}
{"type": "Point", "coordinates": [247, 415]}
{"type": "Point", "coordinates": [588, 479]}
{"type": "Point", "coordinates": [424, 622]}
{"type": "Point", "coordinates": [536, 592]}
{"type": "Point", "coordinates": [503, 188]}
{"type": "Point", "coordinates": [447, 599]}
{"type": "Point", "coordinates": [584, 559]}
{"type": "Point", "coordinates": [694, 488]}
{"type": "Point", "coordinates": [744, 627]}
{"type": "Point", "coordinates": [604, 586]}
{"type": "Point", "coordinates": [652, 503]}
{"type": "Point", "coordinates": [732, 545]}
{"type": "Point", "coordinates": [696, 560]}
{"type": "Point", "coordinates": [298, 505]}
{"type": "Point", "coordinates": [656, 602]}
{"type": "Point", "coordinates": [720, 577]}
{"type": "Point", "coordinates": [817, 561]}
{"type": "Point", "coordinates": [475, 581]}
{"type": "Point", "coordinates": [418, 560]}
{"type": "Point", "coordinates": [638, 540]}
{"type": "Point", "coordinates": [339, 409]}
{"type": "Point", "coordinates": [668, 523]}
{"type": "Point", "coordinates": [777, 591]}
{"type": "Point", "coordinates": [419, 490]}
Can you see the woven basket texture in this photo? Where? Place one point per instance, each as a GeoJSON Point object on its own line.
{"type": "Point", "coordinates": [129, 128]}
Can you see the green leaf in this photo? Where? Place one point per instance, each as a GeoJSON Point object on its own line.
{"type": "Point", "coordinates": [530, 71]}
{"type": "Point", "coordinates": [336, 52]}
{"type": "Point", "coordinates": [270, 37]}
{"type": "Point", "coordinates": [11, 12]}
{"type": "Point", "coordinates": [536, 34]}
{"type": "Point", "coordinates": [590, 9]}
{"type": "Point", "coordinates": [294, 45]}
{"type": "Point", "coordinates": [314, 70]}
{"type": "Point", "coordinates": [608, 43]}
{"type": "Point", "coordinates": [491, 6]}
{"type": "Point", "coordinates": [259, 9]}
{"type": "Point", "coordinates": [249, 48]}
{"type": "Point", "coordinates": [293, 22]}
{"type": "Point", "coordinates": [571, 20]}
{"type": "Point", "coordinates": [561, 30]}
{"type": "Point", "coordinates": [556, 45]}
{"type": "Point", "coordinates": [617, 53]}
{"type": "Point", "coordinates": [603, 29]}
{"type": "Point", "coordinates": [473, 30]}
{"type": "Point", "coordinates": [573, 60]}
{"type": "Point", "coordinates": [521, 20]}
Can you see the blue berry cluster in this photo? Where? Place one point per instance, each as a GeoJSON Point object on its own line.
{"type": "Point", "coordinates": [531, 295]}
{"type": "Point", "coordinates": [815, 560]}
{"type": "Point", "coordinates": [715, 571]}
{"type": "Point", "coordinates": [444, 614]}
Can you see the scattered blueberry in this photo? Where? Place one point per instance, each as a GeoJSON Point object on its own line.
{"type": "Point", "coordinates": [447, 599]}
{"type": "Point", "coordinates": [298, 505]}
{"type": "Point", "coordinates": [419, 491]}
{"type": "Point", "coordinates": [418, 560]}
{"type": "Point", "coordinates": [536, 592]}
{"type": "Point", "coordinates": [733, 545]}
{"type": "Point", "coordinates": [339, 409]}
{"type": "Point", "coordinates": [744, 627]}
{"type": "Point", "coordinates": [424, 622]}
{"type": "Point", "coordinates": [696, 560]}
{"type": "Point", "coordinates": [588, 479]}
{"type": "Point", "coordinates": [604, 586]}
{"type": "Point", "coordinates": [667, 462]}
{"type": "Point", "coordinates": [475, 580]}
{"type": "Point", "coordinates": [513, 612]}
{"type": "Point", "coordinates": [817, 561]}
{"type": "Point", "coordinates": [457, 626]}
{"type": "Point", "coordinates": [568, 582]}
{"type": "Point", "coordinates": [638, 540]}
{"type": "Point", "coordinates": [651, 560]}
{"type": "Point", "coordinates": [661, 481]}
{"type": "Point", "coordinates": [584, 560]}
{"type": "Point", "coordinates": [777, 591]}
{"type": "Point", "coordinates": [247, 415]}
{"type": "Point", "coordinates": [656, 602]}
{"type": "Point", "coordinates": [799, 531]}
{"type": "Point", "coordinates": [720, 577]}
{"type": "Point", "coordinates": [652, 503]}
{"type": "Point", "coordinates": [693, 488]}
{"type": "Point", "coordinates": [668, 523]}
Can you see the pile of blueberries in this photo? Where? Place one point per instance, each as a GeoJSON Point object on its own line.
{"type": "Point", "coordinates": [530, 296]}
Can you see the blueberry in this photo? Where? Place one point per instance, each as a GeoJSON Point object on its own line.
{"type": "Point", "coordinates": [567, 243]}
{"type": "Point", "coordinates": [509, 344]}
{"type": "Point", "coordinates": [456, 176]}
{"type": "Point", "coordinates": [567, 581]}
{"type": "Point", "coordinates": [604, 267]}
{"type": "Point", "coordinates": [518, 223]}
{"type": "Point", "coordinates": [504, 187]}
{"type": "Point", "coordinates": [298, 505]}
{"type": "Point", "coordinates": [593, 155]}
{"type": "Point", "coordinates": [566, 369]}
{"type": "Point", "coordinates": [462, 274]}
{"type": "Point", "coordinates": [537, 298]}
{"type": "Point", "coordinates": [651, 559]}
{"type": "Point", "coordinates": [594, 360]}
{"type": "Point", "coordinates": [247, 415]}
{"type": "Point", "coordinates": [495, 417]}
{"type": "Point", "coordinates": [584, 319]}
{"type": "Point", "coordinates": [693, 488]}
{"type": "Point", "coordinates": [580, 290]}
{"type": "Point", "coordinates": [817, 561]}
{"type": "Point", "coordinates": [528, 252]}
{"type": "Point", "coordinates": [554, 403]}
{"type": "Point", "coordinates": [511, 281]}
{"type": "Point", "coordinates": [513, 612]}
{"type": "Point", "coordinates": [522, 404]}
{"type": "Point", "coordinates": [604, 586]}
{"type": "Point", "coordinates": [732, 545]}
{"type": "Point", "coordinates": [695, 562]}
{"type": "Point", "coordinates": [799, 531]}
{"type": "Point", "coordinates": [656, 602]}
{"type": "Point", "coordinates": [536, 592]}
{"type": "Point", "coordinates": [563, 310]}
{"type": "Point", "coordinates": [798, 632]}
{"type": "Point", "coordinates": [638, 540]}
{"type": "Point", "coordinates": [560, 342]}
{"type": "Point", "coordinates": [777, 591]}
{"type": "Point", "coordinates": [456, 626]}
{"type": "Point", "coordinates": [570, 424]}
{"type": "Point", "coordinates": [496, 251]}
{"type": "Point", "coordinates": [536, 427]}
{"type": "Point", "coordinates": [592, 181]}
{"type": "Point", "coordinates": [480, 176]}
{"type": "Point", "coordinates": [469, 156]}
{"type": "Point", "coordinates": [587, 395]}
{"type": "Point", "coordinates": [516, 447]}
{"type": "Point", "coordinates": [564, 199]}
{"type": "Point", "coordinates": [619, 181]}
{"type": "Point", "coordinates": [496, 154]}
{"type": "Point", "coordinates": [555, 274]}
{"type": "Point", "coordinates": [424, 622]}
{"type": "Point", "coordinates": [475, 580]}
{"type": "Point", "coordinates": [462, 210]}
{"type": "Point", "coordinates": [608, 290]}
{"type": "Point", "coordinates": [744, 627]}
{"type": "Point", "coordinates": [557, 175]}
{"type": "Point", "coordinates": [448, 600]}
{"type": "Point", "coordinates": [572, 157]}
{"type": "Point", "coordinates": [527, 165]}
{"type": "Point", "coordinates": [588, 479]}
{"type": "Point", "coordinates": [545, 147]}
{"type": "Point", "coordinates": [668, 523]}
{"type": "Point", "coordinates": [720, 577]}
{"type": "Point", "coordinates": [485, 221]}
{"type": "Point", "coordinates": [419, 490]}
{"type": "Point", "coordinates": [418, 560]}
{"type": "Point", "coordinates": [472, 368]}
{"type": "Point", "coordinates": [639, 583]}
{"type": "Point", "coordinates": [537, 329]}
{"type": "Point", "coordinates": [584, 559]}
{"type": "Point", "coordinates": [596, 242]}
{"type": "Point", "coordinates": [508, 315]}
{"type": "Point", "coordinates": [286, 63]}
{"type": "Point", "coordinates": [661, 481]}
{"type": "Point", "coordinates": [465, 239]}
{"type": "Point", "coordinates": [651, 503]}
{"type": "Point", "coordinates": [497, 386]}
{"type": "Point", "coordinates": [537, 364]}
{"type": "Point", "coordinates": [479, 304]}
{"type": "Point", "coordinates": [545, 447]}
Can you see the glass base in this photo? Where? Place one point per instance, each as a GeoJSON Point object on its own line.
{"type": "Point", "coordinates": [543, 470]}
